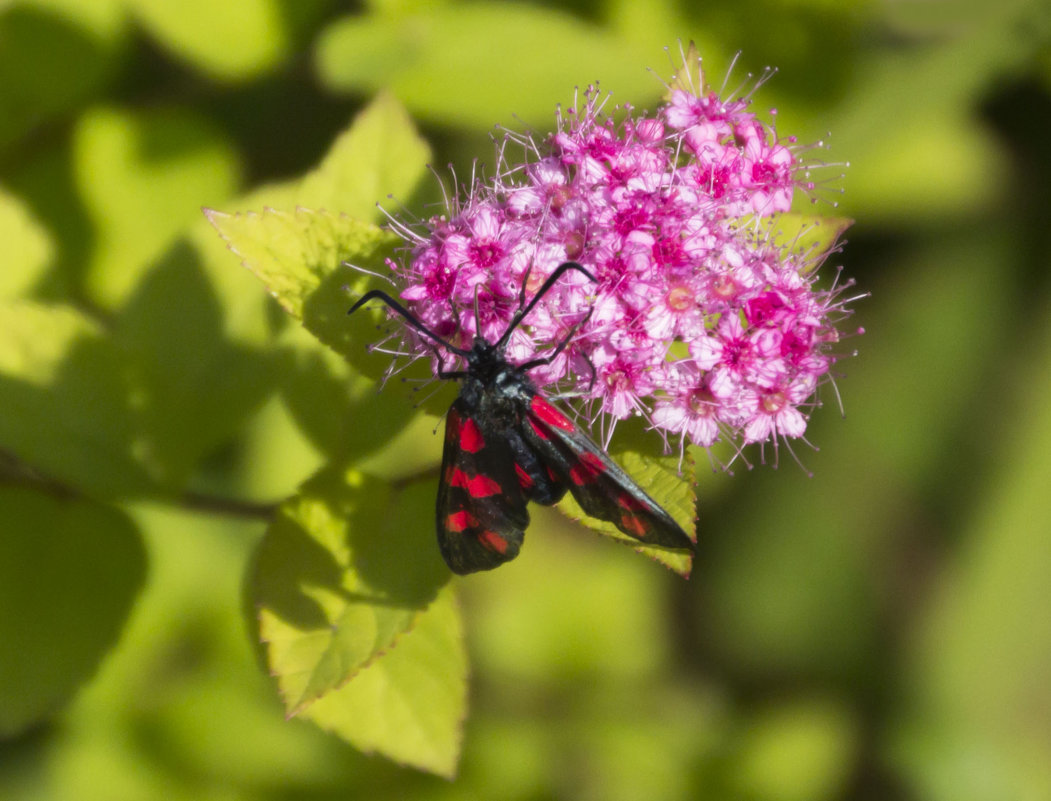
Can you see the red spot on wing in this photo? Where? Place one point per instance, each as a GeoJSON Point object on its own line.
{"type": "Point", "coordinates": [630, 502]}
{"type": "Point", "coordinates": [525, 481]}
{"type": "Point", "coordinates": [635, 526]}
{"type": "Point", "coordinates": [493, 541]}
{"type": "Point", "coordinates": [549, 414]}
{"type": "Point", "coordinates": [456, 477]}
{"type": "Point", "coordinates": [471, 439]}
{"type": "Point", "coordinates": [536, 427]}
{"type": "Point", "coordinates": [477, 486]}
{"type": "Point", "coordinates": [587, 469]}
{"type": "Point", "coordinates": [460, 521]}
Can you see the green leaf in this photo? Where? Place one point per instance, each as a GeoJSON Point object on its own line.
{"type": "Point", "coordinates": [69, 571]}
{"type": "Point", "coordinates": [143, 178]}
{"type": "Point", "coordinates": [65, 404]}
{"type": "Point", "coordinates": [329, 400]}
{"type": "Point", "coordinates": [299, 255]}
{"type": "Point", "coordinates": [195, 385]}
{"type": "Point", "coordinates": [28, 249]}
{"type": "Point", "coordinates": [229, 41]}
{"type": "Point", "coordinates": [410, 704]}
{"type": "Point", "coordinates": [689, 74]}
{"type": "Point", "coordinates": [302, 258]}
{"type": "Point", "coordinates": [808, 237]}
{"type": "Point", "coordinates": [457, 63]}
{"type": "Point", "coordinates": [344, 570]}
{"type": "Point", "coordinates": [662, 481]}
{"type": "Point", "coordinates": [380, 155]}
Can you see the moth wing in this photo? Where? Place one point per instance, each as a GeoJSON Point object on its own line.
{"type": "Point", "coordinates": [537, 480]}
{"type": "Point", "coordinates": [598, 484]}
{"type": "Point", "coordinates": [481, 509]}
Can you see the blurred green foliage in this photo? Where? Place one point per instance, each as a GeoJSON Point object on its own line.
{"type": "Point", "coordinates": [879, 630]}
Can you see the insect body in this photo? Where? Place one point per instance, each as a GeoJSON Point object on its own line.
{"type": "Point", "coordinates": [506, 445]}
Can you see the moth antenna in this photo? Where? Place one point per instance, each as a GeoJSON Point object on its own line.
{"type": "Point", "coordinates": [561, 347]}
{"type": "Point", "coordinates": [591, 368]}
{"type": "Point", "coordinates": [410, 318]}
{"type": "Point", "coordinates": [525, 283]}
{"type": "Point", "coordinates": [521, 314]}
{"type": "Point", "coordinates": [477, 312]}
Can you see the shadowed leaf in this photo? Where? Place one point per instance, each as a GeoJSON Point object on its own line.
{"type": "Point", "coordinates": [344, 570]}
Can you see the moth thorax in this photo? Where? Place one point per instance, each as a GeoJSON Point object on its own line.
{"type": "Point", "coordinates": [507, 378]}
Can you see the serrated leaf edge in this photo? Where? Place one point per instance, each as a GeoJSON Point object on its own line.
{"type": "Point", "coordinates": [461, 720]}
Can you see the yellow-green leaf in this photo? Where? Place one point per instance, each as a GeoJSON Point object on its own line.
{"type": "Point", "coordinates": [143, 177]}
{"type": "Point", "coordinates": [229, 41]}
{"type": "Point", "coordinates": [808, 237]}
{"type": "Point", "coordinates": [408, 705]}
{"type": "Point", "coordinates": [301, 257]}
{"type": "Point", "coordinates": [344, 570]}
{"type": "Point", "coordinates": [65, 402]}
{"type": "Point", "coordinates": [381, 154]}
{"type": "Point", "coordinates": [689, 77]}
{"type": "Point", "coordinates": [28, 247]}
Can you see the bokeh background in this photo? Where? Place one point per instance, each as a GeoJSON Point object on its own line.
{"type": "Point", "coordinates": [880, 630]}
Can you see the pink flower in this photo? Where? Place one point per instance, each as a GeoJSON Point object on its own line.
{"type": "Point", "coordinates": [775, 412]}
{"type": "Point", "coordinates": [688, 407]}
{"type": "Point", "coordinates": [622, 379]}
{"type": "Point", "coordinates": [694, 320]}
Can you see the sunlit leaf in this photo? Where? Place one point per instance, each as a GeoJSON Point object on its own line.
{"type": "Point", "coordinates": [689, 75]}
{"type": "Point", "coordinates": [410, 703]}
{"type": "Point", "coordinates": [329, 400]}
{"type": "Point", "coordinates": [301, 257]}
{"type": "Point", "coordinates": [230, 41]}
{"type": "Point", "coordinates": [143, 177]}
{"type": "Point", "coordinates": [463, 63]}
{"type": "Point", "coordinates": [65, 404]}
{"type": "Point", "coordinates": [344, 571]}
{"type": "Point", "coordinates": [808, 237]}
{"type": "Point", "coordinates": [28, 247]}
{"type": "Point", "coordinates": [380, 155]}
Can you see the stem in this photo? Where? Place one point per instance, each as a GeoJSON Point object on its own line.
{"type": "Point", "coordinates": [231, 507]}
{"type": "Point", "coordinates": [16, 473]}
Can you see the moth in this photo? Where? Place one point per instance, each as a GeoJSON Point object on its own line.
{"type": "Point", "coordinates": [506, 444]}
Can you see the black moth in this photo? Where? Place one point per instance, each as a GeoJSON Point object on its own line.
{"type": "Point", "coordinates": [505, 445]}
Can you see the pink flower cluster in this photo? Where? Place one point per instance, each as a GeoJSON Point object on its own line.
{"type": "Point", "coordinates": [697, 320]}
